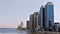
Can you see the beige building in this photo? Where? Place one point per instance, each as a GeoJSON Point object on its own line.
{"type": "Point", "coordinates": [36, 20]}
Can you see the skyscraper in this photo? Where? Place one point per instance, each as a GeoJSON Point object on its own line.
{"type": "Point", "coordinates": [34, 20]}
{"type": "Point", "coordinates": [43, 19]}
{"type": "Point", "coordinates": [42, 16]}
{"type": "Point", "coordinates": [49, 15]}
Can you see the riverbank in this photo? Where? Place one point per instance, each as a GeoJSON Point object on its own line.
{"type": "Point", "coordinates": [54, 32]}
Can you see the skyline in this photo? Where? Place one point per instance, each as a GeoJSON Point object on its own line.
{"type": "Point", "coordinates": [12, 13]}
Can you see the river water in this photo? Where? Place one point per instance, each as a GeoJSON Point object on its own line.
{"type": "Point", "coordinates": [15, 31]}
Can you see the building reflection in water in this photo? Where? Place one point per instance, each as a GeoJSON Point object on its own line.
{"type": "Point", "coordinates": [40, 33]}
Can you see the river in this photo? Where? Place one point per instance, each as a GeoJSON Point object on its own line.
{"type": "Point", "coordinates": [15, 31]}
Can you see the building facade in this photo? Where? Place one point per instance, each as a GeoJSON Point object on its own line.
{"type": "Point", "coordinates": [43, 19]}
{"type": "Point", "coordinates": [28, 25]}
{"type": "Point", "coordinates": [42, 16]}
{"type": "Point", "coordinates": [49, 15]}
{"type": "Point", "coordinates": [21, 25]}
{"type": "Point", "coordinates": [34, 20]}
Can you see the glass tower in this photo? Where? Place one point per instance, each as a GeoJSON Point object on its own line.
{"type": "Point", "coordinates": [42, 16]}
{"type": "Point", "coordinates": [49, 15]}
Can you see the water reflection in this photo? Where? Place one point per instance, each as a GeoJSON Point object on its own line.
{"type": "Point", "coordinates": [33, 33]}
{"type": "Point", "coordinates": [43, 33]}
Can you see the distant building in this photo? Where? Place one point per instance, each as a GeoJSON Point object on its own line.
{"type": "Point", "coordinates": [18, 27]}
{"type": "Point", "coordinates": [28, 25]}
{"type": "Point", "coordinates": [57, 25]}
{"type": "Point", "coordinates": [21, 25]}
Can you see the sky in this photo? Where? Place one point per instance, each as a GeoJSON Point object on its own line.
{"type": "Point", "coordinates": [12, 12]}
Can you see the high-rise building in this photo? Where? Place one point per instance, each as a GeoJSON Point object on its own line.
{"type": "Point", "coordinates": [42, 16]}
{"type": "Point", "coordinates": [49, 15]}
{"type": "Point", "coordinates": [34, 21]}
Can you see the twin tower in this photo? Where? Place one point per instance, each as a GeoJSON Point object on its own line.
{"type": "Point", "coordinates": [42, 19]}
{"type": "Point", "coordinates": [47, 15]}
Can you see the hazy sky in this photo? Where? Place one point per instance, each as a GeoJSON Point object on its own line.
{"type": "Point", "coordinates": [12, 12]}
